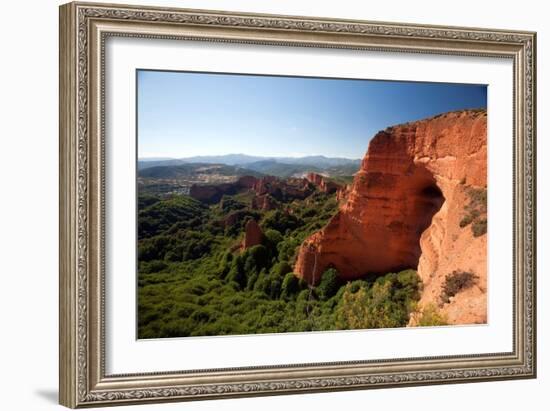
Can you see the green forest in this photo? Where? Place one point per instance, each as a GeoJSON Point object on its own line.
{"type": "Point", "coordinates": [194, 280]}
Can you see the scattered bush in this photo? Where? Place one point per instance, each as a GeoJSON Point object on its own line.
{"type": "Point", "coordinates": [466, 220]}
{"type": "Point", "coordinates": [386, 303]}
{"type": "Point", "coordinates": [430, 316]}
{"type": "Point", "coordinates": [479, 227]}
{"type": "Point", "coordinates": [476, 211]}
{"type": "Point", "coordinates": [456, 282]}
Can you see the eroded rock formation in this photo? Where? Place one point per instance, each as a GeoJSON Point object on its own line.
{"type": "Point", "coordinates": [212, 193]}
{"type": "Point", "coordinates": [404, 210]}
{"type": "Point", "coordinates": [283, 189]}
{"type": "Point", "coordinates": [324, 184]}
{"type": "Point", "coordinates": [274, 187]}
{"type": "Point", "coordinates": [264, 202]}
{"type": "Point", "coordinates": [342, 193]}
{"type": "Point", "coordinates": [252, 235]}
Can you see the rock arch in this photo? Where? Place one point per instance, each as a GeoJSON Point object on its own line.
{"type": "Point", "coordinates": [404, 209]}
{"type": "Point", "coordinates": [379, 229]}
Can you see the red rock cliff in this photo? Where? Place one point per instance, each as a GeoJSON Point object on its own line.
{"type": "Point", "coordinates": [404, 210]}
{"type": "Point", "coordinates": [252, 235]}
{"type": "Point", "coordinates": [323, 183]}
{"type": "Point", "coordinates": [212, 193]}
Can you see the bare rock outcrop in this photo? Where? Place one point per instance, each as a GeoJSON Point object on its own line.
{"type": "Point", "coordinates": [405, 208]}
{"type": "Point", "coordinates": [282, 189]}
{"type": "Point", "coordinates": [212, 193]}
{"type": "Point", "coordinates": [268, 190]}
{"type": "Point", "coordinates": [264, 202]}
{"type": "Point", "coordinates": [342, 193]}
{"type": "Point", "coordinates": [253, 235]}
{"type": "Point", "coordinates": [324, 184]}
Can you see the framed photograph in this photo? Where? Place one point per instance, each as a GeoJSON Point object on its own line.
{"type": "Point", "coordinates": [260, 204]}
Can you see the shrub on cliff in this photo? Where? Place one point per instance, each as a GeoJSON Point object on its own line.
{"type": "Point", "coordinates": [479, 227]}
{"type": "Point", "coordinates": [476, 211]}
{"type": "Point", "coordinates": [456, 282]}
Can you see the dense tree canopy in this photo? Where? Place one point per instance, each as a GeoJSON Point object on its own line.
{"type": "Point", "coordinates": [194, 279]}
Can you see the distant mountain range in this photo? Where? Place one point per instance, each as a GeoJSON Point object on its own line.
{"type": "Point", "coordinates": [277, 166]}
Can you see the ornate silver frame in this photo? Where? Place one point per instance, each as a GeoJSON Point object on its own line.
{"type": "Point", "coordinates": [83, 30]}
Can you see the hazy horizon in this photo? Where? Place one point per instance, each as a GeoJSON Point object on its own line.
{"type": "Point", "coordinates": [243, 154]}
{"type": "Point", "coordinates": [187, 114]}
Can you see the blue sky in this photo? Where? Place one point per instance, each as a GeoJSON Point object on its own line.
{"type": "Point", "coordinates": [182, 114]}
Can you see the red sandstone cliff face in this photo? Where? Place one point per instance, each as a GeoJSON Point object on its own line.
{"type": "Point", "coordinates": [404, 210]}
{"type": "Point", "coordinates": [264, 202]}
{"type": "Point", "coordinates": [268, 190]}
{"type": "Point", "coordinates": [252, 235]}
{"type": "Point", "coordinates": [323, 183]}
{"type": "Point", "coordinates": [212, 193]}
{"type": "Point", "coordinates": [342, 193]}
{"type": "Point", "coordinates": [281, 189]}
